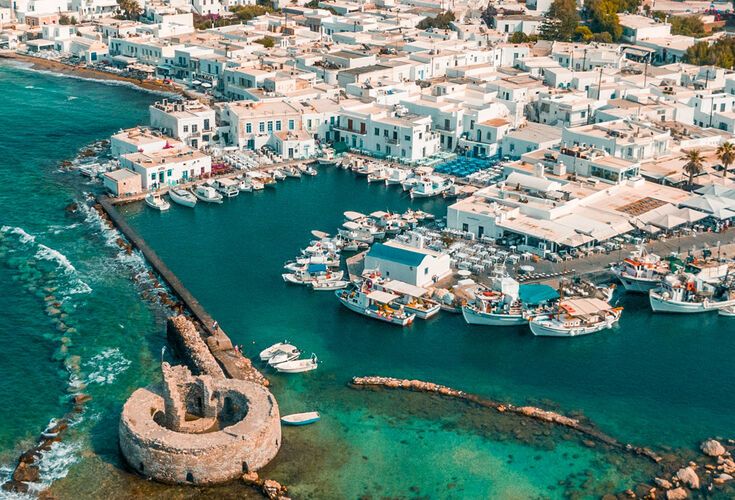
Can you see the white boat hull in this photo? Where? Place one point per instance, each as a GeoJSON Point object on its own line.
{"type": "Point", "coordinates": [660, 304]}
{"type": "Point", "coordinates": [542, 328]}
{"type": "Point", "coordinates": [638, 285]}
{"type": "Point", "coordinates": [424, 313]}
{"type": "Point", "coordinates": [393, 320]}
{"type": "Point", "coordinates": [186, 201]}
{"type": "Point", "coordinates": [475, 317]}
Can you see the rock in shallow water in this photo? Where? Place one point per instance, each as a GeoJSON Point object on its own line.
{"type": "Point", "coordinates": [687, 476]}
{"type": "Point", "coordinates": [712, 448]}
{"type": "Point", "coordinates": [677, 494]}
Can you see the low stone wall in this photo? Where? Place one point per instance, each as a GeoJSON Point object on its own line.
{"type": "Point", "coordinates": [205, 458]}
{"type": "Point", "coordinates": [188, 344]}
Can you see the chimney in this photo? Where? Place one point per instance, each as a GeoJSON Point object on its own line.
{"type": "Point", "coordinates": [539, 171]}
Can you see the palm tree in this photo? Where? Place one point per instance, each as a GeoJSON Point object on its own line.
{"type": "Point", "coordinates": [726, 154]}
{"type": "Point", "coordinates": [694, 164]}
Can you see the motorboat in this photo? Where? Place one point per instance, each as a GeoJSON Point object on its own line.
{"type": "Point", "coordinates": [575, 317]}
{"type": "Point", "coordinates": [278, 174]}
{"type": "Point", "coordinates": [499, 305]}
{"type": "Point", "coordinates": [245, 186]}
{"type": "Point", "coordinates": [292, 172]}
{"type": "Point", "coordinates": [182, 197]}
{"type": "Point", "coordinates": [325, 286]}
{"type": "Point", "coordinates": [378, 175]}
{"type": "Point", "coordinates": [155, 201]}
{"type": "Point", "coordinates": [271, 351]}
{"type": "Point", "coordinates": [283, 356]}
{"type": "Point", "coordinates": [363, 169]}
{"type": "Point", "coordinates": [256, 184]}
{"type": "Point", "coordinates": [409, 183]}
{"type": "Point", "coordinates": [431, 185]}
{"type": "Point", "coordinates": [229, 188]}
{"type": "Point", "coordinates": [727, 311]}
{"type": "Point", "coordinates": [298, 365]}
{"type": "Point", "coordinates": [375, 304]}
{"type": "Point", "coordinates": [306, 418]}
{"type": "Point", "coordinates": [688, 293]}
{"type": "Point", "coordinates": [207, 194]}
{"type": "Point", "coordinates": [641, 271]}
{"type": "Point", "coordinates": [310, 170]}
{"type": "Point", "coordinates": [396, 175]}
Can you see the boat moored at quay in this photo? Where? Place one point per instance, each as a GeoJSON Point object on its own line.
{"type": "Point", "coordinates": [576, 317]}
{"type": "Point", "coordinates": [642, 272]}
{"type": "Point", "coordinates": [687, 293]}
{"type": "Point", "coordinates": [375, 304]}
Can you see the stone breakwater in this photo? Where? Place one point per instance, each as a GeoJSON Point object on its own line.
{"type": "Point", "coordinates": [183, 336]}
{"type": "Point", "coordinates": [525, 411]}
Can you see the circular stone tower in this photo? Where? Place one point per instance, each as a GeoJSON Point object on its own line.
{"type": "Point", "coordinates": [199, 429]}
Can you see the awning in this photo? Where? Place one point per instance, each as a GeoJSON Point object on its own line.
{"type": "Point", "coordinates": [316, 268]}
{"type": "Point", "coordinates": [536, 293]}
{"type": "Point", "coordinates": [382, 297]}
{"type": "Point", "coordinates": [125, 59]}
{"type": "Point", "coordinates": [404, 288]}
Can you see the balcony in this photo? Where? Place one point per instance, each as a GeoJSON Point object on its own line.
{"type": "Point", "coordinates": [391, 140]}
{"type": "Point", "coordinates": [351, 131]}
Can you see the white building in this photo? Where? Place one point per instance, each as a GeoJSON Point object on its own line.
{"type": "Point", "coordinates": [168, 166]}
{"type": "Point", "coordinates": [189, 121]}
{"type": "Point", "coordinates": [140, 140]}
{"type": "Point", "coordinates": [413, 265]}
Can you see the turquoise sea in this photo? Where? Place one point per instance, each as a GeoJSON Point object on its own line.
{"type": "Point", "coordinates": [659, 381]}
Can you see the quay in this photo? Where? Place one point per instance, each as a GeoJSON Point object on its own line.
{"type": "Point", "coordinates": [184, 185]}
{"type": "Point", "coordinates": [233, 363]}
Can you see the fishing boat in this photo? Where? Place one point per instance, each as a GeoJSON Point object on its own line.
{"type": "Point", "coordinates": [375, 304]}
{"type": "Point", "coordinates": [155, 201]}
{"type": "Point", "coordinates": [245, 186]}
{"type": "Point", "coordinates": [207, 193]}
{"type": "Point", "coordinates": [431, 185]}
{"type": "Point", "coordinates": [271, 351]}
{"type": "Point", "coordinates": [575, 317]}
{"type": "Point", "coordinates": [325, 286]}
{"type": "Point", "coordinates": [298, 365]}
{"type": "Point", "coordinates": [278, 174]}
{"type": "Point", "coordinates": [283, 356]}
{"type": "Point", "coordinates": [688, 293]}
{"type": "Point", "coordinates": [409, 183]}
{"type": "Point", "coordinates": [257, 185]}
{"type": "Point", "coordinates": [378, 175]}
{"type": "Point", "coordinates": [182, 197]}
{"type": "Point", "coordinates": [641, 271]}
{"type": "Point", "coordinates": [309, 170]}
{"type": "Point", "coordinates": [313, 272]}
{"type": "Point", "coordinates": [414, 299]}
{"type": "Point", "coordinates": [229, 188]}
{"type": "Point", "coordinates": [727, 311]}
{"type": "Point", "coordinates": [499, 305]}
{"type": "Point", "coordinates": [363, 169]}
{"type": "Point", "coordinates": [301, 418]}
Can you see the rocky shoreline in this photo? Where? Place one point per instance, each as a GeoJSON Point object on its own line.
{"type": "Point", "coordinates": [716, 469]}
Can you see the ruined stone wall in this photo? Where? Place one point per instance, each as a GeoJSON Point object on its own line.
{"type": "Point", "coordinates": [175, 457]}
{"type": "Point", "coordinates": [188, 343]}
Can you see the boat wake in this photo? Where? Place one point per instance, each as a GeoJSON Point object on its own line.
{"type": "Point", "coordinates": [106, 366]}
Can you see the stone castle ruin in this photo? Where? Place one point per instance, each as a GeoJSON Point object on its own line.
{"type": "Point", "coordinates": [199, 429]}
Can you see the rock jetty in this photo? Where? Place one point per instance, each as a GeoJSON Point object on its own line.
{"type": "Point", "coordinates": [526, 411]}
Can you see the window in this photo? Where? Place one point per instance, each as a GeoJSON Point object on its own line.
{"type": "Point", "coordinates": [278, 125]}
{"type": "Point", "coordinates": [206, 124]}
{"type": "Point", "coordinates": [376, 131]}
{"type": "Point", "coordinates": [465, 228]}
{"type": "Point", "coordinates": [291, 124]}
{"type": "Point", "coordinates": [194, 128]}
{"type": "Point", "coordinates": [261, 127]}
{"type": "Point", "coordinates": [407, 137]}
{"type": "Point", "coordinates": [270, 126]}
{"type": "Point", "coordinates": [249, 128]}
{"type": "Point", "coordinates": [169, 172]}
{"type": "Point", "coordinates": [186, 128]}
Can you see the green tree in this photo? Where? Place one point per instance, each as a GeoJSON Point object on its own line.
{"type": "Point", "coordinates": [721, 53]}
{"type": "Point", "coordinates": [65, 20]}
{"type": "Point", "coordinates": [129, 9]}
{"type": "Point", "coordinates": [441, 21]}
{"type": "Point", "coordinates": [313, 4]}
{"type": "Point", "coordinates": [583, 34]}
{"type": "Point", "coordinates": [602, 37]}
{"type": "Point", "coordinates": [267, 42]}
{"type": "Point", "coordinates": [726, 154]}
{"type": "Point", "coordinates": [694, 164]}
{"type": "Point", "coordinates": [519, 37]}
{"type": "Point", "coordinates": [560, 21]}
{"type": "Point", "coordinates": [686, 26]}
{"type": "Point", "coordinates": [603, 17]}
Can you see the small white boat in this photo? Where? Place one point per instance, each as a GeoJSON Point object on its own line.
{"type": "Point", "coordinates": [268, 353]}
{"type": "Point", "coordinates": [182, 197]}
{"type": "Point", "coordinates": [256, 184]}
{"type": "Point", "coordinates": [375, 304]}
{"type": "Point", "coordinates": [576, 317]}
{"type": "Point", "coordinates": [292, 172]}
{"type": "Point", "coordinates": [429, 186]}
{"type": "Point", "coordinates": [155, 201]}
{"type": "Point", "coordinates": [245, 186]}
{"type": "Point", "coordinates": [278, 174]}
{"type": "Point", "coordinates": [298, 365]}
{"type": "Point", "coordinates": [208, 194]}
{"type": "Point", "coordinates": [283, 356]}
{"type": "Point", "coordinates": [309, 170]}
{"type": "Point", "coordinates": [727, 311]}
{"type": "Point", "coordinates": [228, 187]}
{"type": "Point", "coordinates": [323, 285]}
{"type": "Point", "coordinates": [306, 418]}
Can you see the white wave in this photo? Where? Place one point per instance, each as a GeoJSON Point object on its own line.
{"type": "Point", "coordinates": [106, 366]}
{"type": "Point", "coordinates": [54, 464]}
{"type": "Point", "coordinates": [23, 237]}
{"type": "Point", "coordinates": [79, 287]}
{"type": "Point", "coordinates": [71, 98]}
{"type": "Point", "coordinates": [48, 253]}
